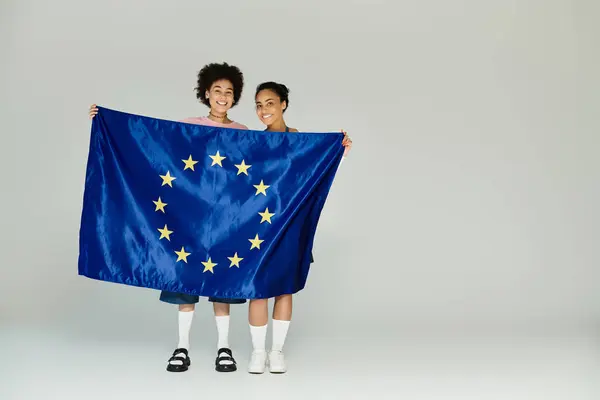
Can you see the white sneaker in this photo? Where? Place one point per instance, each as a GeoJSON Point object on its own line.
{"type": "Point", "coordinates": [258, 361]}
{"type": "Point", "coordinates": [277, 362]}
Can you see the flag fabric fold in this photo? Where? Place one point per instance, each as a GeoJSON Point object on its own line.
{"type": "Point", "coordinates": [202, 210]}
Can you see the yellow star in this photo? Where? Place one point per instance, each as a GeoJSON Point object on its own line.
{"type": "Point", "coordinates": [189, 163]}
{"type": "Point", "coordinates": [167, 179]}
{"type": "Point", "coordinates": [165, 233]}
{"type": "Point", "coordinates": [243, 168]}
{"type": "Point", "coordinates": [217, 158]}
{"type": "Point", "coordinates": [261, 188]}
{"type": "Point", "coordinates": [208, 265]}
{"type": "Point", "coordinates": [266, 216]}
{"type": "Point", "coordinates": [235, 260]}
{"type": "Point", "coordinates": [160, 205]}
{"type": "Point", "coordinates": [255, 242]}
{"type": "Point", "coordinates": [182, 255]}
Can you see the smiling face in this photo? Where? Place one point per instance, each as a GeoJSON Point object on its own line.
{"type": "Point", "coordinates": [269, 107]}
{"type": "Point", "coordinates": [220, 96]}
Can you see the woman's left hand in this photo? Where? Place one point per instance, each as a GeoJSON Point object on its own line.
{"type": "Point", "coordinates": [347, 143]}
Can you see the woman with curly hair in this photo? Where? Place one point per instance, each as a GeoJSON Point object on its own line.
{"type": "Point", "coordinates": [219, 87]}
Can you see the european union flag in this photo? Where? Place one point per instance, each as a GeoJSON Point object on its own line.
{"type": "Point", "coordinates": [202, 210]}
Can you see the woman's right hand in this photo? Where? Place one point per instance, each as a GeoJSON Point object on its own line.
{"type": "Point", "coordinates": [93, 111]}
{"type": "Point", "coordinates": [346, 142]}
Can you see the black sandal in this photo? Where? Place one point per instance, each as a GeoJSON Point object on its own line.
{"type": "Point", "coordinates": [220, 358]}
{"type": "Point", "coordinates": [185, 361]}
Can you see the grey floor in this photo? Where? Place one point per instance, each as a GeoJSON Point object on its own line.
{"type": "Point", "coordinates": [54, 364]}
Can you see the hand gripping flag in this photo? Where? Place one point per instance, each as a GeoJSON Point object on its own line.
{"type": "Point", "coordinates": [202, 210]}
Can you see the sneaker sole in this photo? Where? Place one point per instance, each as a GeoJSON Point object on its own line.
{"type": "Point", "coordinates": [256, 372]}
{"type": "Point", "coordinates": [277, 371]}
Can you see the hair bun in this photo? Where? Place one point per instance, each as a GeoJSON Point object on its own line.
{"type": "Point", "coordinates": [284, 88]}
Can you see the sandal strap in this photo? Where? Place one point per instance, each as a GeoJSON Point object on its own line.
{"type": "Point", "coordinates": [181, 350]}
{"type": "Point", "coordinates": [177, 359]}
{"type": "Point", "coordinates": [224, 358]}
{"type": "Point", "coordinates": [226, 351]}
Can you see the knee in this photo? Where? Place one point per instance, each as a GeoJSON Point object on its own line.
{"type": "Point", "coordinates": [285, 298]}
{"type": "Point", "coordinates": [186, 307]}
{"type": "Point", "coordinates": [258, 302]}
{"type": "Point", "coordinates": [221, 309]}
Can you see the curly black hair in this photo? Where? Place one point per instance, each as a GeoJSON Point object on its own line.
{"type": "Point", "coordinates": [213, 72]}
{"type": "Point", "coordinates": [279, 88]}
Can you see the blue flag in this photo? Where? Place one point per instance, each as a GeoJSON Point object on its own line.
{"type": "Point", "coordinates": [202, 210]}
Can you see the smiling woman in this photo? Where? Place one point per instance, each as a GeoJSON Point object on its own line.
{"type": "Point", "coordinates": [219, 87]}
{"type": "Point", "coordinates": [272, 100]}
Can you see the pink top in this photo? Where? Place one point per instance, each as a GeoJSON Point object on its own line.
{"type": "Point", "coordinates": [209, 122]}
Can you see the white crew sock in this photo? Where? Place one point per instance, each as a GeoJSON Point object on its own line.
{"type": "Point", "coordinates": [280, 329]}
{"type": "Point", "coordinates": [223, 331]}
{"type": "Point", "coordinates": [259, 337]}
{"type": "Point", "coordinates": [185, 324]}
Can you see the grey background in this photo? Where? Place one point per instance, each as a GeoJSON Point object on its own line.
{"type": "Point", "coordinates": [468, 204]}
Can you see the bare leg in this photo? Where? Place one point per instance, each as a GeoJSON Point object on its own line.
{"type": "Point", "coordinates": [282, 311]}
{"type": "Point", "coordinates": [221, 309]}
{"type": "Point", "coordinates": [258, 312]}
{"type": "Point", "coordinates": [187, 307]}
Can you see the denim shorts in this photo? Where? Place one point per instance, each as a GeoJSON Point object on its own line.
{"type": "Point", "coordinates": [182, 298]}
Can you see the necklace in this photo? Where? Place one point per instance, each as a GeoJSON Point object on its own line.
{"type": "Point", "coordinates": [223, 118]}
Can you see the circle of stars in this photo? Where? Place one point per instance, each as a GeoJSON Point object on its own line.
{"type": "Point", "coordinates": [217, 162]}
